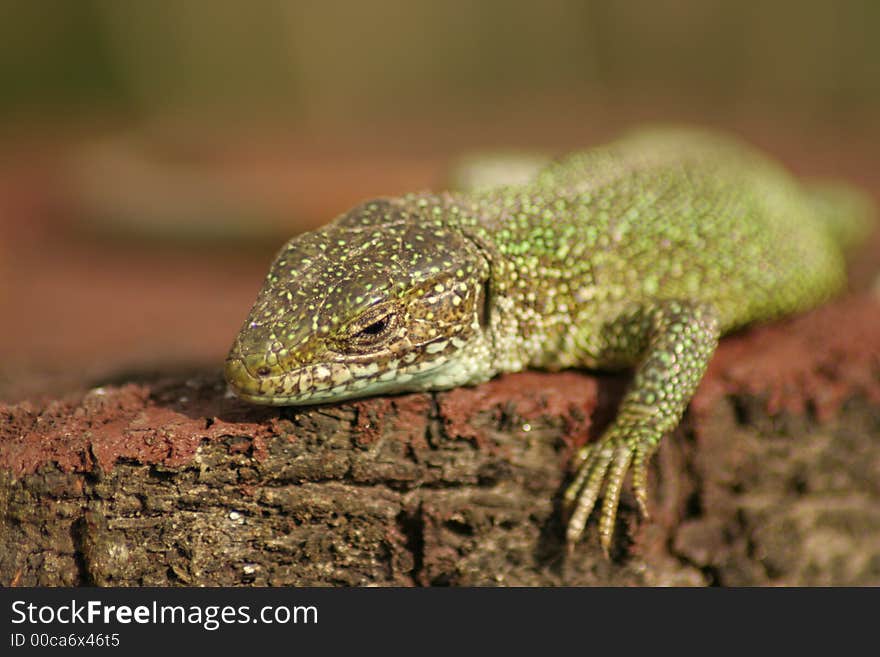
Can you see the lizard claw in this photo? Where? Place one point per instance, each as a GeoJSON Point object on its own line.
{"type": "Point", "coordinates": [602, 468]}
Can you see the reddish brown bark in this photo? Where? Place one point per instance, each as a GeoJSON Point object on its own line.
{"type": "Point", "coordinates": [773, 478]}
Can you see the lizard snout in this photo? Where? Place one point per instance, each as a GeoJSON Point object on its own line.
{"type": "Point", "coordinates": [245, 373]}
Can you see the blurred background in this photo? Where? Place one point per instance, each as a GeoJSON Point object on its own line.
{"type": "Point", "coordinates": [154, 155]}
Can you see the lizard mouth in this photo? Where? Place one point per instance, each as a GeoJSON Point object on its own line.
{"type": "Point", "coordinates": [254, 387]}
{"type": "Point", "coordinates": [301, 386]}
{"type": "Point", "coordinates": [317, 384]}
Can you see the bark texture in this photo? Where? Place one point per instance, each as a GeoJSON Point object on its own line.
{"type": "Point", "coordinates": [772, 478]}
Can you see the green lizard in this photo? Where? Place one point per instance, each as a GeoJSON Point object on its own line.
{"type": "Point", "coordinates": [637, 254]}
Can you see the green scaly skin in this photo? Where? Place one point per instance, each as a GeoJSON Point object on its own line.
{"type": "Point", "coordinates": [637, 254]}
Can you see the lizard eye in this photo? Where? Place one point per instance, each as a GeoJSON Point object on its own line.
{"type": "Point", "coordinates": [375, 328]}
{"type": "Point", "coordinates": [373, 332]}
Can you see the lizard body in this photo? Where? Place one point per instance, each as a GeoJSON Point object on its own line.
{"type": "Point", "coordinates": [636, 254]}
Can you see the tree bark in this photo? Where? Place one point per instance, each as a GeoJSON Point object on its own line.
{"type": "Point", "coordinates": [772, 478]}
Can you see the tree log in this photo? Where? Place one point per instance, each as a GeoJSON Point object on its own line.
{"type": "Point", "coordinates": [773, 477]}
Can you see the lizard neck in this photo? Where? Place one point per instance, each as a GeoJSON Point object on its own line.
{"type": "Point", "coordinates": [510, 320]}
{"type": "Point", "coordinates": [544, 312]}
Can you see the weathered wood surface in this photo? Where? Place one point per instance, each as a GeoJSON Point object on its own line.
{"type": "Point", "coordinates": [773, 478]}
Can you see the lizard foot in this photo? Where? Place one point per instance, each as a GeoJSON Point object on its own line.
{"type": "Point", "coordinates": [605, 464]}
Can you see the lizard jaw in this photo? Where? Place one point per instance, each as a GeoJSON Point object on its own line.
{"type": "Point", "coordinates": [332, 382]}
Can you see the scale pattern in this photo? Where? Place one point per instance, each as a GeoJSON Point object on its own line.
{"type": "Point", "coordinates": [637, 254]}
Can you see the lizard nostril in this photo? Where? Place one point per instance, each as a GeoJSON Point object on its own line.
{"type": "Point", "coordinates": [263, 371]}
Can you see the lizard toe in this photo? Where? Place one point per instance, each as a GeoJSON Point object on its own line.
{"type": "Point", "coordinates": [623, 456]}
{"type": "Point", "coordinates": [640, 477]}
{"type": "Point", "coordinates": [602, 469]}
{"type": "Point", "coordinates": [584, 490]}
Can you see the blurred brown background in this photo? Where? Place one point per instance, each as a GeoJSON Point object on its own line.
{"type": "Point", "coordinates": [154, 155]}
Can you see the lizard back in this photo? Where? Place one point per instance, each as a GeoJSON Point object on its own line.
{"type": "Point", "coordinates": [658, 215]}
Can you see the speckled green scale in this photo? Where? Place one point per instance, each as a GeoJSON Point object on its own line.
{"type": "Point", "coordinates": [637, 254]}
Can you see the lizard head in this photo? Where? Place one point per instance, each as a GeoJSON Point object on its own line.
{"type": "Point", "coordinates": [387, 298]}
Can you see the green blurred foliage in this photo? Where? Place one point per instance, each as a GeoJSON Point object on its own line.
{"type": "Point", "coordinates": [392, 57]}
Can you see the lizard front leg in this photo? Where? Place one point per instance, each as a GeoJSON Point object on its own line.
{"type": "Point", "coordinates": [671, 342]}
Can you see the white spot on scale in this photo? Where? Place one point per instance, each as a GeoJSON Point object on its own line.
{"type": "Point", "coordinates": [341, 375]}
{"type": "Point", "coordinates": [434, 347]}
{"type": "Point", "coordinates": [365, 370]}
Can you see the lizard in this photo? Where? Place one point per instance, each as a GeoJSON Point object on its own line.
{"type": "Point", "coordinates": [636, 254]}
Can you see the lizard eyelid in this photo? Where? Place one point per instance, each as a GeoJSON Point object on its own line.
{"type": "Point", "coordinates": [372, 329]}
